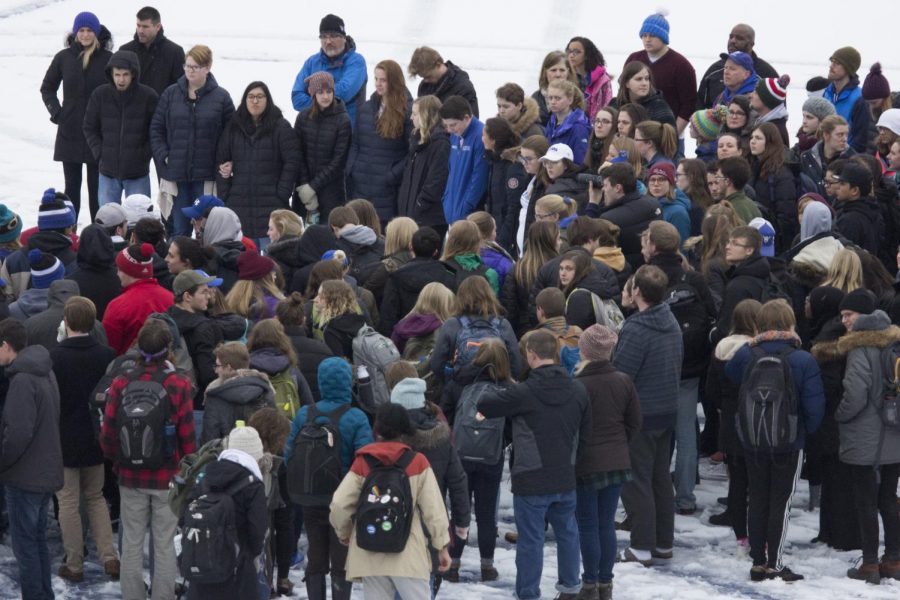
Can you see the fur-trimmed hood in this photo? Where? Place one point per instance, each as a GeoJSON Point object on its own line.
{"type": "Point", "coordinates": [728, 347]}
{"type": "Point", "coordinates": [869, 331]}
{"type": "Point", "coordinates": [530, 115]}
{"type": "Point", "coordinates": [430, 432]}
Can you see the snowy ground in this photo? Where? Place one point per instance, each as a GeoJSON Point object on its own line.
{"type": "Point", "coordinates": [495, 43]}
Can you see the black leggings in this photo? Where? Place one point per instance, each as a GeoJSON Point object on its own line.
{"type": "Point", "coordinates": [873, 497]}
{"type": "Point", "coordinates": [72, 173]}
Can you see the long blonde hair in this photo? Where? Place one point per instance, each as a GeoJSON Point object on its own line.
{"type": "Point", "coordinates": [286, 222]}
{"type": "Point", "coordinates": [337, 299]}
{"type": "Point", "coordinates": [435, 299]}
{"type": "Point", "coordinates": [429, 117]}
{"type": "Point", "coordinates": [87, 52]}
{"type": "Point", "coordinates": [845, 272]}
{"type": "Point", "coordinates": [398, 234]}
{"type": "Point", "coordinates": [463, 238]}
{"type": "Point", "coordinates": [247, 298]}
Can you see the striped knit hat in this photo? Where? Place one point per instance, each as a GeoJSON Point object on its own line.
{"type": "Point", "coordinates": [54, 213]}
{"type": "Point", "coordinates": [45, 269]}
{"type": "Point", "coordinates": [707, 122]}
{"type": "Point", "coordinates": [771, 91]}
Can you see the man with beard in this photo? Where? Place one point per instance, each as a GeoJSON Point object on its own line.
{"type": "Point", "coordinates": [741, 39]}
{"type": "Point", "coordinates": [161, 59]}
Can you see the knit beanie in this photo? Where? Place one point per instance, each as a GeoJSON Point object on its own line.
{"type": "Point", "coordinates": [45, 269]}
{"type": "Point", "coordinates": [707, 122]}
{"type": "Point", "coordinates": [818, 107]}
{"type": "Point", "coordinates": [319, 81]}
{"type": "Point", "coordinates": [246, 439]}
{"type": "Point", "coordinates": [409, 393]}
{"type": "Point", "coordinates": [86, 19]}
{"type": "Point", "coordinates": [139, 206]}
{"type": "Point", "coordinates": [332, 24]}
{"type": "Point", "coordinates": [335, 378]}
{"type": "Point", "coordinates": [252, 266]}
{"type": "Point", "coordinates": [665, 169]}
{"type": "Point", "coordinates": [859, 300]}
{"type": "Point", "coordinates": [771, 91]}
{"type": "Point", "coordinates": [849, 58]}
{"type": "Point", "coordinates": [10, 225]}
{"type": "Point", "coordinates": [596, 343]}
{"type": "Point", "coordinates": [890, 120]}
{"type": "Point", "coordinates": [825, 302]}
{"type": "Point", "coordinates": [876, 85]}
{"type": "Point", "coordinates": [53, 212]}
{"type": "Point", "coordinates": [136, 261]}
{"type": "Point", "coordinates": [656, 25]}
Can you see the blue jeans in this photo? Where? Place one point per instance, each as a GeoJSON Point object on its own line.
{"type": "Point", "coordinates": [28, 529]}
{"type": "Point", "coordinates": [110, 190]}
{"type": "Point", "coordinates": [178, 223]}
{"type": "Point", "coordinates": [530, 513]}
{"type": "Point", "coordinates": [596, 513]}
{"type": "Point", "coordinates": [686, 444]}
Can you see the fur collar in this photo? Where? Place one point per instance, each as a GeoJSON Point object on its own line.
{"type": "Point", "coordinates": [428, 439]}
{"type": "Point", "coordinates": [879, 338]}
{"type": "Point", "coordinates": [528, 117]}
{"type": "Point", "coordinates": [728, 347]}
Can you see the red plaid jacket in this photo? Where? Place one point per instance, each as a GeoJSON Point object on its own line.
{"type": "Point", "coordinates": [182, 416]}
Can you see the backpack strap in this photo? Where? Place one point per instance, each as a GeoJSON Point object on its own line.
{"type": "Point", "coordinates": [311, 413]}
{"type": "Point", "coordinates": [405, 459]}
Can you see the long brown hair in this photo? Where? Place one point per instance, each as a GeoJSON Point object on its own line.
{"type": "Point", "coordinates": [553, 58]}
{"type": "Point", "coordinates": [475, 297]}
{"type": "Point", "coordinates": [584, 264]}
{"type": "Point", "coordinates": [540, 247]}
{"type": "Point", "coordinates": [716, 228]}
{"type": "Point", "coordinates": [697, 189]}
{"type": "Point", "coordinates": [628, 73]}
{"type": "Point", "coordinates": [463, 238]}
{"type": "Point", "coordinates": [269, 333]}
{"type": "Point", "coordinates": [391, 121]}
{"type": "Point", "coordinates": [772, 158]}
{"type": "Point", "coordinates": [493, 357]}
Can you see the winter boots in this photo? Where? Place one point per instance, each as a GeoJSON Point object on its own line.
{"type": "Point", "coordinates": [868, 572]}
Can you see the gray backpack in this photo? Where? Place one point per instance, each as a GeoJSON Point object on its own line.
{"type": "Point", "coordinates": [376, 352]}
{"type": "Point", "coordinates": [477, 440]}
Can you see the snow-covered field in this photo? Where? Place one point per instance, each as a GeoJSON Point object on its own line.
{"type": "Point", "coordinates": [495, 43]}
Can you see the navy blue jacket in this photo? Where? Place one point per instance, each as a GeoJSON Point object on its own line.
{"type": "Point", "coordinates": [375, 166]}
{"type": "Point", "coordinates": [506, 183]}
{"type": "Point", "coordinates": [184, 133]}
{"type": "Point", "coordinates": [425, 178]}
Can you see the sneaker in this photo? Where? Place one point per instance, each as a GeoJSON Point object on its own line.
{"type": "Point", "coordinates": [889, 569]}
{"type": "Point", "coordinates": [784, 574]}
{"type": "Point", "coordinates": [70, 575]}
{"type": "Point", "coordinates": [868, 572]}
{"type": "Point", "coordinates": [629, 556]}
{"type": "Point", "coordinates": [489, 574]}
{"type": "Point", "coordinates": [713, 471]}
{"type": "Point", "coordinates": [759, 573]}
{"type": "Point", "coordinates": [743, 547]}
{"type": "Point", "coordinates": [686, 512]}
{"type": "Point", "coordinates": [511, 536]}
{"type": "Point", "coordinates": [722, 519]}
{"type": "Point", "coordinates": [451, 575]}
{"type": "Point", "coordinates": [111, 568]}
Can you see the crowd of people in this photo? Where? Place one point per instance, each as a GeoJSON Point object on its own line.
{"type": "Point", "coordinates": [349, 328]}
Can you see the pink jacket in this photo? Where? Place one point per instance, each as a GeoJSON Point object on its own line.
{"type": "Point", "coordinates": [598, 92]}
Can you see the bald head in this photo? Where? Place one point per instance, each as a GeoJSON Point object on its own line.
{"type": "Point", "coordinates": [741, 38]}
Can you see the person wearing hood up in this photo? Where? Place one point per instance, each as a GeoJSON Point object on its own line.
{"type": "Point", "coordinates": [222, 234]}
{"type": "Point", "coordinates": [95, 271]}
{"type": "Point", "coordinates": [242, 459]}
{"type": "Point", "coordinates": [117, 129]}
{"type": "Point", "coordinates": [363, 247]}
{"type": "Point", "coordinates": [675, 204]}
{"type": "Point", "coordinates": [45, 269]}
{"type": "Point", "coordinates": [656, 371]}
{"type": "Point", "coordinates": [46, 328]}
{"type": "Point", "coordinates": [80, 68]}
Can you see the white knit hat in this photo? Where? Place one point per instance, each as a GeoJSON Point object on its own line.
{"type": "Point", "coordinates": [246, 439]}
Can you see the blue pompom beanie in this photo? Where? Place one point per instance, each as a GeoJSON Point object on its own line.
{"type": "Point", "coordinates": [656, 25]}
{"type": "Point", "coordinates": [54, 213]}
{"type": "Point", "coordinates": [86, 19]}
{"type": "Point", "coordinates": [45, 269]}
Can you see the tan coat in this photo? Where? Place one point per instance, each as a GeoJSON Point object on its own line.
{"type": "Point", "coordinates": [430, 512]}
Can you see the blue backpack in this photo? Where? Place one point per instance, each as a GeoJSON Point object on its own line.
{"type": "Point", "coordinates": [471, 335]}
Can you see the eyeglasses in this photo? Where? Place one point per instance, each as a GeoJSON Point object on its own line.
{"type": "Point", "coordinates": [602, 121]}
{"type": "Point", "coordinates": [736, 113]}
{"type": "Point", "coordinates": [256, 97]}
{"type": "Point", "coordinates": [735, 244]}
{"type": "Point", "coordinates": [193, 68]}
{"type": "Point", "coordinates": [329, 36]}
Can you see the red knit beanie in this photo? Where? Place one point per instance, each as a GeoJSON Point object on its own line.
{"type": "Point", "coordinates": [252, 266]}
{"type": "Point", "coordinates": [136, 261]}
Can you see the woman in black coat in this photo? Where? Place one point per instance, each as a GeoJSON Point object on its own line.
{"type": "Point", "coordinates": [427, 168]}
{"type": "Point", "coordinates": [773, 183]}
{"type": "Point", "coordinates": [507, 179]}
{"type": "Point", "coordinates": [324, 132]}
{"type": "Point", "coordinates": [258, 155]}
{"type": "Point", "coordinates": [81, 68]}
{"type": "Point", "coordinates": [636, 87]}
{"type": "Point", "coordinates": [381, 142]}
{"type": "Point", "coordinates": [310, 352]}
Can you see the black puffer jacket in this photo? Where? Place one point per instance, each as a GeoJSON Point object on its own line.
{"type": "Point", "coordinates": [265, 158]}
{"type": "Point", "coordinates": [424, 179]}
{"type": "Point", "coordinates": [813, 164]}
{"type": "Point", "coordinates": [117, 124]}
{"type": "Point", "coordinates": [514, 298]}
{"type": "Point", "coordinates": [78, 84]}
{"type": "Point", "coordinates": [316, 239]}
{"type": "Point", "coordinates": [505, 186]}
{"type": "Point", "coordinates": [632, 214]}
{"type": "Point", "coordinates": [375, 165]}
{"type": "Point", "coordinates": [602, 281]}
{"type": "Point", "coordinates": [229, 399]}
{"type": "Point", "coordinates": [747, 279]}
{"type": "Point", "coordinates": [777, 194]}
{"type": "Point", "coordinates": [184, 133]}
{"type": "Point", "coordinates": [161, 63]}
{"type": "Point", "coordinates": [340, 331]}
{"type": "Point", "coordinates": [404, 285]}
{"type": "Point", "coordinates": [201, 336]}
{"type": "Point", "coordinates": [324, 148]}
{"type": "Point", "coordinates": [455, 82]}
{"type": "Point", "coordinates": [286, 253]}
{"type": "Point", "coordinates": [567, 186]}
{"type": "Point", "coordinates": [656, 106]}
{"type": "Point", "coordinates": [95, 271]}
{"type": "Point", "coordinates": [310, 353]}
{"type": "Point", "coordinates": [861, 222]}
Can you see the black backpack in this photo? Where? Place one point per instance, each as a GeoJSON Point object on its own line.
{"type": "Point", "coordinates": [209, 542]}
{"type": "Point", "coordinates": [142, 418]}
{"type": "Point", "coordinates": [315, 470]}
{"type": "Point", "coordinates": [385, 508]}
{"type": "Point", "coordinates": [768, 408]}
{"type": "Point", "coordinates": [695, 323]}
{"type": "Point", "coordinates": [460, 274]}
{"type": "Point", "coordinates": [477, 440]}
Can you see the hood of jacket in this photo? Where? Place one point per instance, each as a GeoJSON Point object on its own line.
{"type": "Point", "coordinates": [655, 318]}
{"type": "Point", "coordinates": [551, 373]}
{"type": "Point", "coordinates": [335, 380]}
{"type": "Point", "coordinates": [32, 360]}
{"type": "Point", "coordinates": [670, 263]}
{"type": "Point", "coordinates": [873, 330]}
{"type": "Point", "coordinates": [232, 466]}
{"type": "Point", "coordinates": [232, 325]}
{"type": "Point", "coordinates": [360, 235]}
{"type": "Point", "coordinates": [269, 360]}
{"type": "Point", "coordinates": [816, 219]}
{"type": "Point", "coordinates": [779, 112]}
{"type": "Point", "coordinates": [32, 301]}
{"type": "Point", "coordinates": [245, 387]}
{"type": "Point", "coordinates": [728, 347]}
{"type": "Point", "coordinates": [755, 266]}
{"type": "Point", "coordinates": [60, 291]}
{"type": "Point", "coordinates": [612, 256]}
{"type": "Point", "coordinates": [866, 206]}
{"type": "Point", "coordinates": [53, 242]}
{"type": "Point", "coordinates": [349, 49]}
{"type": "Point", "coordinates": [95, 249]}
{"type": "Point", "coordinates": [469, 262]}
{"type": "Point", "coordinates": [222, 225]}
{"type": "Point", "coordinates": [185, 320]}
{"type": "Point", "coordinates": [125, 59]}
{"type": "Point", "coordinates": [416, 325]}
{"type": "Point", "coordinates": [285, 250]}
{"type": "Point", "coordinates": [316, 239]}
{"type": "Point", "coordinates": [429, 432]}
{"type": "Point", "coordinates": [385, 452]}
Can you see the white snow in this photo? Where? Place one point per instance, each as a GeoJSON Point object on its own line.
{"type": "Point", "coordinates": [495, 43]}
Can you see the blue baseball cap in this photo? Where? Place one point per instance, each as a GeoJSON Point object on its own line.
{"type": "Point", "coordinates": [741, 59]}
{"type": "Point", "coordinates": [201, 206]}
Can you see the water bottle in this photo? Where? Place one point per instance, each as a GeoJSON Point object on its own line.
{"type": "Point", "coordinates": [364, 389]}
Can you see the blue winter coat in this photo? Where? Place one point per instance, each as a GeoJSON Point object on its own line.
{"type": "Point", "coordinates": [850, 104]}
{"type": "Point", "coordinates": [807, 382]}
{"type": "Point", "coordinates": [678, 213]}
{"type": "Point", "coordinates": [349, 72]}
{"type": "Point", "coordinates": [184, 135]}
{"type": "Point", "coordinates": [496, 258]}
{"type": "Point", "coordinates": [468, 179]}
{"type": "Point", "coordinates": [574, 133]}
{"type": "Point", "coordinates": [335, 381]}
{"type": "Point", "coordinates": [375, 167]}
